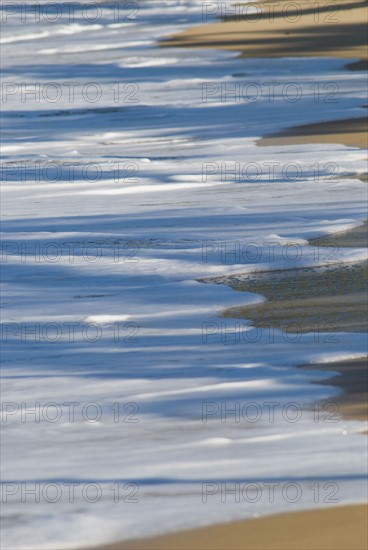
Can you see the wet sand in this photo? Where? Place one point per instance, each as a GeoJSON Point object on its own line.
{"type": "Point", "coordinates": [357, 237]}
{"type": "Point", "coordinates": [352, 378]}
{"type": "Point", "coordinates": [323, 300]}
{"type": "Point", "coordinates": [326, 299]}
{"type": "Point", "coordinates": [299, 301]}
{"type": "Point", "coordinates": [337, 528]}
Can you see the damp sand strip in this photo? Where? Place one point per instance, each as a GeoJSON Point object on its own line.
{"type": "Point", "coordinates": [350, 238]}
{"type": "Point", "coordinates": [324, 300]}
{"type": "Point", "coordinates": [351, 376]}
{"type": "Point", "coordinates": [321, 300]}
{"type": "Point", "coordinates": [308, 299]}
{"type": "Point", "coordinates": [335, 528]}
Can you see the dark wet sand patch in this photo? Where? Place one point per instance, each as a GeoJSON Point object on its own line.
{"type": "Point", "coordinates": [361, 65]}
{"type": "Point", "coordinates": [352, 378]}
{"type": "Point", "coordinates": [351, 238]}
{"type": "Point", "coordinates": [320, 300]}
{"type": "Point", "coordinates": [330, 298]}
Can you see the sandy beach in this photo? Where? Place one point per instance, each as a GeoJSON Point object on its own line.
{"type": "Point", "coordinates": [320, 295]}
{"type": "Point", "coordinates": [339, 528]}
{"type": "Point", "coordinates": [303, 297]}
{"type": "Point", "coordinates": [334, 528]}
{"type": "Point", "coordinates": [350, 132]}
{"type": "Point", "coordinates": [337, 29]}
{"type": "Point", "coordinates": [124, 211]}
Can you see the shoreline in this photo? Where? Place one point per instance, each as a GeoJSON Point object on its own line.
{"type": "Point", "coordinates": [327, 528]}
{"type": "Point", "coordinates": [351, 132]}
{"type": "Point", "coordinates": [331, 297]}
{"type": "Point", "coordinates": [339, 32]}
{"type": "Point", "coordinates": [346, 293]}
{"type": "Point", "coordinates": [162, 455]}
{"type": "Point", "coordinates": [333, 528]}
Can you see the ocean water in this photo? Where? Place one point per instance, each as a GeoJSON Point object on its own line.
{"type": "Point", "coordinates": [129, 173]}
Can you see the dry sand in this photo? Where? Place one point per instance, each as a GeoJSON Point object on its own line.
{"type": "Point", "coordinates": [338, 528]}
{"type": "Point", "coordinates": [350, 132]}
{"type": "Point", "coordinates": [336, 29]}
{"type": "Point", "coordinates": [294, 29]}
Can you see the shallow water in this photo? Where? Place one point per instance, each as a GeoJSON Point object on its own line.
{"type": "Point", "coordinates": [112, 210]}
